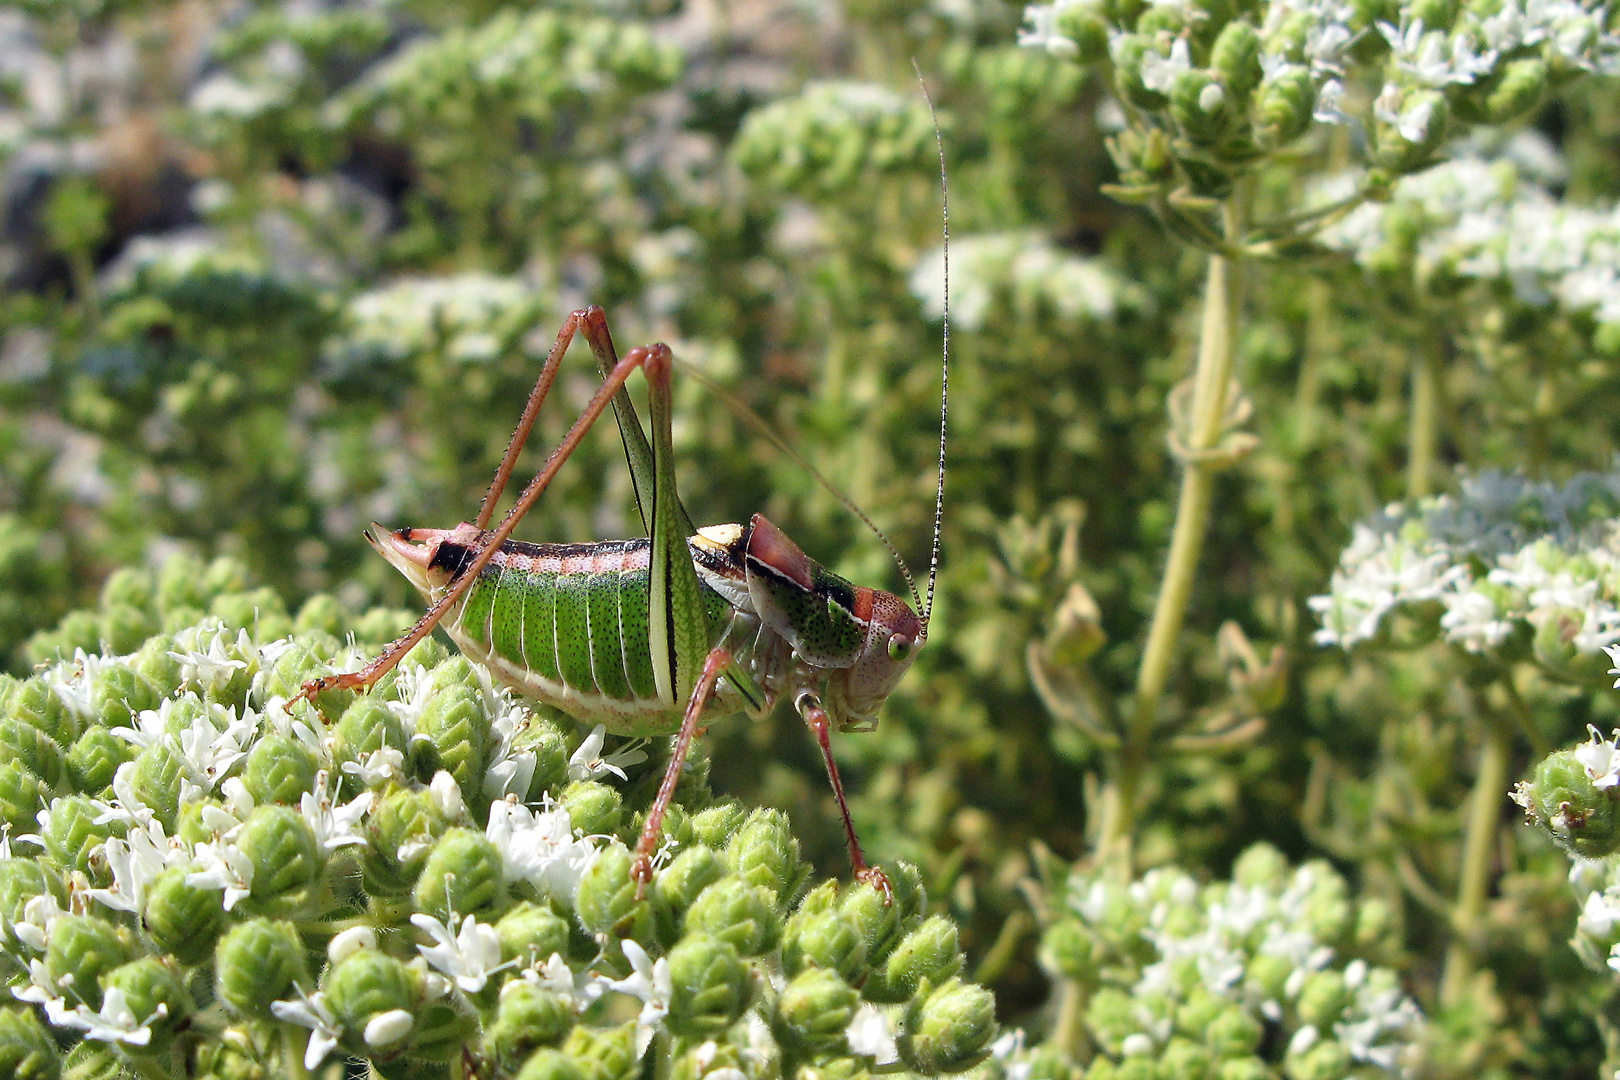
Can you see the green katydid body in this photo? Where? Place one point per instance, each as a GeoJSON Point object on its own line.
{"type": "Point", "coordinates": [569, 624]}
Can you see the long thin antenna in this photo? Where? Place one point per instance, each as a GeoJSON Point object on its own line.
{"type": "Point", "coordinates": [945, 353]}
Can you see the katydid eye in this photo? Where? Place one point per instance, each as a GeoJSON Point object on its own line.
{"type": "Point", "coordinates": [900, 647]}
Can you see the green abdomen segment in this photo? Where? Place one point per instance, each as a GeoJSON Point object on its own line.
{"type": "Point", "coordinates": [567, 624]}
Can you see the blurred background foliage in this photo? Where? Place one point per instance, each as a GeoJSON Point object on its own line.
{"type": "Point", "coordinates": [275, 271]}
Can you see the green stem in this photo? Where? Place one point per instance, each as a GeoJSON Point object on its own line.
{"type": "Point", "coordinates": [1069, 1032]}
{"type": "Point", "coordinates": [1425, 423]}
{"type": "Point", "coordinates": [1211, 378]}
{"type": "Point", "coordinates": [1473, 876]}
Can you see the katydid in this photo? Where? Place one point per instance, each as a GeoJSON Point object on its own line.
{"type": "Point", "coordinates": [658, 635]}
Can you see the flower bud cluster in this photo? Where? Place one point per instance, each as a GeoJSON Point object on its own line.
{"type": "Point", "coordinates": [534, 65]}
{"type": "Point", "coordinates": [201, 278]}
{"type": "Point", "coordinates": [1493, 220]}
{"type": "Point", "coordinates": [829, 140]}
{"type": "Point", "coordinates": [1509, 566]}
{"type": "Point", "coordinates": [1212, 88]}
{"type": "Point", "coordinates": [1597, 930]}
{"type": "Point", "coordinates": [1252, 977]}
{"type": "Point", "coordinates": [466, 318]}
{"type": "Point", "coordinates": [1021, 275]}
{"type": "Point", "coordinates": [194, 871]}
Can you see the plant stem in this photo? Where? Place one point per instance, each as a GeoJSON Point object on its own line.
{"type": "Point", "coordinates": [1473, 876]}
{"type": "Point", "coordinates": [1425, 421]}
{"type": "Point", "coordinates": [1211, 378]}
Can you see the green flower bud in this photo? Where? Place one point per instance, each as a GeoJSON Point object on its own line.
{"type": "Point", "coordinates": [93, 760]}
{"type": "Point", "coordinates": [156, 775]}
{"type": "Point", "coordinates": [1111, 1018]}
{"type": "Point", "coordinates": [716, 825]}
{"type": "Point", "coordinates": [813, 1012]}
{"type": "Point", "coordinates": [1325, 1060]}
{"type": "Point", "coordinates": [549, 1064]}
{"type": "Point", "coordinates": [1424, 121]}
{"type": "Point", "coordinates": [1235, 57]}
{"type": "Point", "coordinates": [680, 883]}
{"type": "Point", "coordinates": [124, 628]}
{"type": "Point", "coordinates": [606, 902]}
{"type": "Point", "coordinates": [260, 612]}
{"type": "Point", "coordinates": [402, 829]}
{"type": "Point", "coordinates": [1284, 106]}
{"type": "Point", "coordinates": [80, 949]}
{"type": "Point", "coordinates": [526, 1019]}
{"type": "Point", "coordinates": [366, 726]}
{"type": "Point", "coordinates": [34, 702]}
{"type": "Point", "coordinates": [530, 933]}
{"type": "Point", "coordinates": [1434, 14]}
{"type": "Point", "coordinates": [765, 852]}
{"type": "Point", "coordinates": [1086, 25]}
{"type": "Point", "coordinates": [549, 740]}
{"type": "Point", "coordinates": [240, 1053]}
{"type": "Point", "coordinates": [279, 769]}
{"type": "Point", "coordinates": [1050, 1063]}
{"type": "Point", "coordinates": [463, 876]}
{"type": "Point", "coordinates": [322, 613]}
{"type": "Point", "coordinates": [884, 921]}
{"type": "Point", "coordinates": [604, 1055]}
{"type": "Point", "coordinates": [1233, 1033]}
{"type": "Point", "coordinates": [363, 986]}
{"type": "Point", "coordinates": [1102, 1068]}
{"type": "Point", "coordinates": [72, 836]}
{"type": "Point", "coordinates": [128, 585]}
{"type": "Point", "coordinates": [1198, 104]}
{"type": "Point", "coordinates": [1583, 818]}
{"type": "Point", "coordinates": [929, 953]}
{"type": "Point", "coordinates": [735, 911]}
{"type": "Point", "coordinates": [27, 1051]}
{"type": "Point", "coordinates": [1267, 975]}
{"type": "Point", "coordinates": [1163, 22]}
{"type": "Point", "coordinates": [23, 879]}
{"type": "Point", "coordinates": [257, 962]}
{"type": "Point", "coordinates": [153, 662]}
{"type": "Point", "coordinates": [1323, 998]}
{"type": "Point", "coordinates": [824, 939]}
{"type": "Point", "coordinates": [300, 662]}
{"type": "Point", "coordinates": [1375, 922]}
{"type": "Point", "coordinates": [1069, 949]}
{"type": "Point", "coordinates": [949, 1030]}
{"type": "Point", "coordinates": [94, 1060]}
{"type": "Point", "coordinates": [22, 796]}
{"type": "Point", "coordinates": [1128, 56]}
{"type": "Point", "coordinates": [1261, 866]}
{"type": "Point", "coordinates": [183, 920]}
{"type": "Point", "coordinates": [153, 992]}
{"type": "Point", "coordinates": [594, 809]}
{"type": "Point", "coordinates": [1245, 1068]}
{"type": "Point", "coordinates": [31, 748]}
{"type": "Point", "coordinates": [1184, 1059]}
{"type": "Point", "coordinates": [442, 1029]}
{"type": "Point", "coordinates": [287, 859]}
{"type": "Point", "coordinates": [711, 986]}
{"type": "Point", "coordinates": [455, 722]}
{"type": "Point", "coordinates": [119, 694]}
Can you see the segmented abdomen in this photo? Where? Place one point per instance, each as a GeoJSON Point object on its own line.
{"type": "Point", "coordinates": [567, 624]}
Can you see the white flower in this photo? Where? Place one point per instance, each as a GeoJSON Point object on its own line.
{"type": "Point", "coordinates": [540, 848]}
{"type": "Point", "coordinates": [226, 867]}
{"type": "Point", "coordinates": [311, 1011]}
{"type": "Point", "coordinates": [349, 942]}
{"type": "Point", "coordinates": [135, 860]}
{"type": "Point", "coordinates": [1160, 72]}
{"type": "Point", "coordinates": [33, 930]}
{"type": "Point", "coordinates": [469, 957]}
{"type": "Point", "coordinates": [209, 669]}
{"type": "Point", "coordinates": [1601, 759]}
{"type": "Point", "coordinates": [649, 981]}
{"type": "Point", "coordinates": [588, 762]}
{"type": "Point", "coordinates": [871, 1034]}
{"type": "Point", "coordinates": [334, 826]}
{"type": "Point", "coordinates": [1042, 31]}
{"type": "Point", "coordinates": [579, 990]}
{"type": "Point", "coordinates": [113, 1022]}
{"type": "Point", "coordinates": [387, 1028]}
{"type": "Point", "coordinates": [510, 770]}
{"type": "Point", "coordinates": [378, 767]}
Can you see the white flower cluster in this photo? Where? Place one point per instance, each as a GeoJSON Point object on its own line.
{"type": "Point", "coordinates": [1263, 944]}
{"type": "Point", "coordinates": [1027, 274]}
{"type": "Point", "coordinates": [467, 318]}
{"type": "Point", "coordinates": [1597, 930]}
{"type": "Point", "coordinates": [1505, 553]}
{"type": "Point", "coordinates": [1492, 221]}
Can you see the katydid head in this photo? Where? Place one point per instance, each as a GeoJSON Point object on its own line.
{"type": "Point", "coordinates": [854, 641]}
{"type": "Point", "coordinates": [421, 554]}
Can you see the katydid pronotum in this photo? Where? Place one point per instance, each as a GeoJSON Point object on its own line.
{"type": "Point", "coordinates": [659, 635]}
